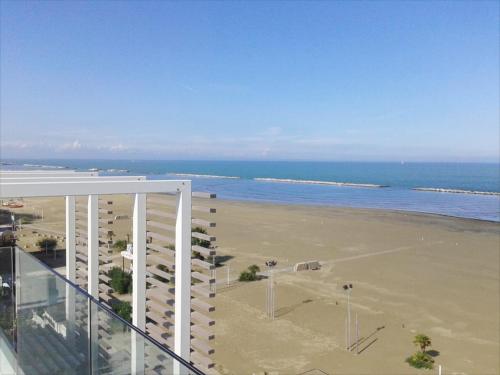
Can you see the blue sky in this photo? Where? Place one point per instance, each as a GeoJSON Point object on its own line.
{"type": "Point", "coordinates": [251, 80]}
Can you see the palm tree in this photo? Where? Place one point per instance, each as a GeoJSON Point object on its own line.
{"type": "Point", "coordinates": [422, 341]}
{"type": "Point", "coordinates": [254, 268]}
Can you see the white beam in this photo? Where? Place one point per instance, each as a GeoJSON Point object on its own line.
{"type": "Point", "coordinates": [93, 245]}
{"type": "Point", "coordinates": [4, 174]}
{"type": "Point", "coordinates": [51, 189]}
{"type": "Point", "coordinates": [182, 333]}
{"type": "Point", "coordinates": [70, 178]}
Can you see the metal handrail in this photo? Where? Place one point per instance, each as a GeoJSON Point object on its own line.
{"type": "Point", "coordinates": [185, 363]}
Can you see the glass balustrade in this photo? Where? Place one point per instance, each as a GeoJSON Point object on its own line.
{"type": "Point", "coordinates": [51, 326]}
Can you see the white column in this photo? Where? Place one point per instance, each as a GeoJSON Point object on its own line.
{"type": "Point", "coordinates": [182, 334]}
{"type": "Point", "coordinates": [70, 239]}
{"type": "Point", "coordinates": [139, 282]}
{"type": "Point", "coordinates": [139, 263]}
{"type": "Point", "coordinates": [70, 264]}
{"type": "Point", "coordinates": [93, 275]}
{"type": "Point", "coordinates": [93, 246]}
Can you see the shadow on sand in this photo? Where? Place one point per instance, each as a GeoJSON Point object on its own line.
{"type": "Point", "coordinates": [433, 353]}
{"type": "Point", "coordinates": [220, 260]}
{"type": "Point", "coordinates": [288, 309]}
{"type": "Point", "coordinates": [314, 371]}
{"type": "Point", "coordinates": [358, 345]}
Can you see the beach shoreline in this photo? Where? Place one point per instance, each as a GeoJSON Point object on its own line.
{"type": "Point", "coordinates": [360, 209]}
{"type": "Point", "coordinates": [435, 188]}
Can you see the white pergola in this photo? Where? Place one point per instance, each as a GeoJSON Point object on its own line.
{"type": "Point", "coordinates": [70, 184]}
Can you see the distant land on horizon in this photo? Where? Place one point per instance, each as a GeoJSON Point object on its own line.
{"type": "Point", "coordinates": [256, 160]}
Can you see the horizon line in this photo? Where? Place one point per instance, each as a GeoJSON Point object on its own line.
{"type": "Point", "coordinates": [402, 161]}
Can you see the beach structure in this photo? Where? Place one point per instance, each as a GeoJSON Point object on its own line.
{"type": "Point", "coordinates": [171, 322]}
{"type": "Point", "coordinates": [312, 265]}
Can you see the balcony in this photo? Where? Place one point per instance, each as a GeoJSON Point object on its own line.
{"type": "Point", "coordinates": [49, 325]}
{"type": "Point", "coordinates": [167, 298]}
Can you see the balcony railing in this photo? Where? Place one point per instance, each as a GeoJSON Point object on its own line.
{"type": "Point", "coordinates": [49, 325]}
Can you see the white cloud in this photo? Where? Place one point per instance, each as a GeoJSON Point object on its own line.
{"type": "Point", "coordinates": [72, 146]}
{"type": "Point", "coordinates": [117, 148]}
{"type": "Point", "coordinates": [17, 145]}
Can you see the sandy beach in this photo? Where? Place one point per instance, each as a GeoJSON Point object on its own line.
{"type": "Point", "coordinates": [411, 273]}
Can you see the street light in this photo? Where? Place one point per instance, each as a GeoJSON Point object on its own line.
{"type": "Point", "coordinates": [271, 263]}
{"type": "Point", "coordinates": [348, 289]}
{"type": "Point", "coordinates": [270, 288]}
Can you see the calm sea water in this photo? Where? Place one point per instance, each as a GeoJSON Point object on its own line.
{"type": "Point", "coordinates": [400, 179]}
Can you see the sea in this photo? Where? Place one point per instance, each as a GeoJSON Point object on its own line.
{"type": "Point", "coordinates": [466, 190]}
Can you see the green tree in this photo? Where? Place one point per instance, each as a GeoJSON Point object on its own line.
{"type": "Point", "coordinates": [47, 243]}
{"type": "Point", "coordinates": [120, 245]}
{"type": "Point", "coordinates": [247, 276]}
{"type": "Point", "coordinates": [123, 309]}
{"type": "Point", "coordinates": [422, 341]}
{"type": "Point", "coordinates": [121, 281]}
{"type": "Point", "coordinates": [250, 274]}
{"type": "Point", "coordinates": [199, 241]}
{"type": "Point", "coordinates": [421, 360]}
{"type": "Point", "coordinates": [254, 268]}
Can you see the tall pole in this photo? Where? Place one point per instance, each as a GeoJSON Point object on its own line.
{"type": "Point", "coordinates": [357, 334]}
{"type": "Point", "coordinates": [272, 294]}
{"type": "Point", "coordinates": [346, 341]}
{"type": "Point", "coordinates": [268, 291]}
{"type": "Point", "coordinates": [348, 320]}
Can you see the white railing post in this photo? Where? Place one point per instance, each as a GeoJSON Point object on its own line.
{"type": "Point", "coordinates": [93, 245]}
{"type": "Point", "coordinates": [139, 282]}
{"type": "Point", "coordinates": [182, 333]}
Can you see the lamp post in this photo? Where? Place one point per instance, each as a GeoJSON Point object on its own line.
{"type": "Point", "coordinates": [357, 334]}
{"type": "Point", "coordinates": [348, 288]}
{"type": "Point", "coordinates": [270, 288]}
